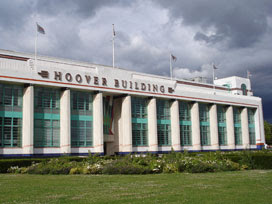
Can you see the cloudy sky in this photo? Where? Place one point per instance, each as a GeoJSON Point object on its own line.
{"type": "Point", "coordinates": [234, 34]}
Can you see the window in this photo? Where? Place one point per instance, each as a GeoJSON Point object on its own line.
{"type": "Point", "coordinates": [204, 124]}
{"type": "Point", "coordinates": [10, 132]}
{"type": "Point", "coordinates": [203, 112]}
{"type": "Point", "coordinates": [10, 115]}
{"type": "Point", "coordinates": [237, 125]}
{"type": "Point", "coordinates": [185, 123]}
{"type": "Point", "coordinates": [107, 115]}
{"type": "Point", "coordinates": [205, 135]}
{"type": "Point", "coordinates": [46, 117]}
{"type": "Point", "coordinates": [221, 118]}
{"type": "Point", "coordinates": [251, 126]}
{"type": "Point", "coordinates": [238, 135]}
{"type": "Point", "coordinates": [222, 133]}
{"type": "Point", "coordinates": [139, 121]}
{"type": "Point", "coordinates": [46, 133]}
{"type": "Point", "coordinates": [81, 119]}
{"type": "Point", "coordinates": [244, 89]}
{"type": "Point", "coordinates": [163, 122]}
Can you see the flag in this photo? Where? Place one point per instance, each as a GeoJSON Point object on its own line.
{"type": "Point", "coordinates": [249, 74]}
{"type": "Point", "coordinates": [40, 29]}
{"type": "Point", "coordinates": [113, 31]}
{"type": "Point", "coordinates": [214, 67]}
{"type": "Point", "coordinates": [173, 58]}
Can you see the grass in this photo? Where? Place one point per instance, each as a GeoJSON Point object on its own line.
{"type": "Point", "coordinates": [253, 186]}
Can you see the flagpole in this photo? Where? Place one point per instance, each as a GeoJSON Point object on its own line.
{"type": "Point", "coordinates": [213, 77]}
{"type": "Point", "coordinates": [171, 71]}
{"type": "Point", "coordinates": [36, 39]}
{"type": "Point", "coordinates": [113, 35]}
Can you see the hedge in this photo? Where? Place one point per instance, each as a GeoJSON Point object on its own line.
{"type": "Point", "coordinates": [5, 164]}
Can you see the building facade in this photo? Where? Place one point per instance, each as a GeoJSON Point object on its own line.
{"type": "Point", "coordinates": [52, 106]}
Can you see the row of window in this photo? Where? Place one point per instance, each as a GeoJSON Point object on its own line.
{"type": "Point", "coordinates": [139, 111]}
{"type": "Point", "coordinates": [47, 119]}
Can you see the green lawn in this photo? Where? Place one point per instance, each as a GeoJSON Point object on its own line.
{"type": "Point", "coordinates": [226, 187]}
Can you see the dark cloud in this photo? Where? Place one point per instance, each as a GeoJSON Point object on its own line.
{"type": "Point", "coordinates": [81, 8]}
{"type": "Point", "coordinates": [242, 22]}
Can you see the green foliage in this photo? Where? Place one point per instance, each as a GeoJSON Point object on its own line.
{"type": "Point", "coordinates": [145, 163]}
{"type": "Point", "coordinates": [5, 164]}
{"type": "Point", "coordinates": [268, 132]}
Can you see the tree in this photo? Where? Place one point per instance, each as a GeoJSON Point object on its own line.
{"type": "Point", "coordinates": [268, 132]}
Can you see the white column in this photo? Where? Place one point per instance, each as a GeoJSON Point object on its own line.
{"type": "Point", "coordinates": [175, 128]}
{"type": "Point", "coordinates": [214, 127]}
{"type": "Point", "coordinates": [230, 128]}
{"type": "Point", "coordinates": [126, 124]}
{"type": "Point", "coordinates": [98, 137]}
{"type": "Point", "coordinates": [65, 122]}
{"type": "Point", "coordinates": [245, 132]}
{"type": "Point", "coordinates": [28, 120]}
{"type": "Point", "coordinates": [195, 127]}
{"type": "Point", "coordinates": [152, 125]}
{"type": "Point", "coordinates": [259, 126]}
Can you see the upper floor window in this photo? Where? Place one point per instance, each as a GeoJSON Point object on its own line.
{"type": "Point", "coordinates": [244, 89]}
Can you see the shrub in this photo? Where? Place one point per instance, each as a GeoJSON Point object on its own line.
{"type": "Point", "coordinates": [123, 167]}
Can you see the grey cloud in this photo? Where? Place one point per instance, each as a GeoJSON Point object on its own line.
{"type": "Point", "coordinates": [81, 8]}
{"type": "Point", "coordinates": [241, 22]}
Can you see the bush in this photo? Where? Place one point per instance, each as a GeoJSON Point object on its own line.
{"type": "Point", "coordinates": [5, 164]}
{"type": "Point", "coordinates": [124, 167]}
{"type": "Point", "coordinates": [53, 166]}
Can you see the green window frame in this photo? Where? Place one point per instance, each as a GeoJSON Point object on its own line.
{"type": "Point", "coordinates": [222, 130]}
{"type": "Point", "coordinates": [237, 125]}
{"type": "Point", "coordinates": [81, 119]}
{"type": "Point", "coordinates": [244, 89]}
{"type": "Point", "coordinates": [222, 133]}
{"type": "Point", "coordinates": [185, 123]}
{"type": "Point", "coordinates": [46, 117]}
{"type": "Point", "coordinates": [204, 124]}
{"type": "Point", "coordinates": [163, 122]}
{"type": "Point", "coordinates": [251, 126]}
{"type": "Point", "coordinates": [107, 115]}
{"type": "Point", "coordinates": [11, 99]}
{"type": "Point", "coordinates": [238, 135]}
{"type": "Point", "coordinates": [139, 121]}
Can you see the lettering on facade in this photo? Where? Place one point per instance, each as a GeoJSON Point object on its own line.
{"type": "Point", "coordinates": [133, 85]}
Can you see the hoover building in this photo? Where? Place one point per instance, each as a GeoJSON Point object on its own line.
{"type": "Point", "coordinates": [53, 106]}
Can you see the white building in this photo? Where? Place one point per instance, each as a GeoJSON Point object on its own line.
{"type": "Point", "coordinates": [59, 106]}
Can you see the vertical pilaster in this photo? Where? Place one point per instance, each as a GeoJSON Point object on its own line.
{"type": "Point", "coordinates": [245, 131]}
{"type": "Point", "coordinates": [195, 127]}
{"type": "Point", "coordinates": [259, 127]}
{"type": "Point", "coordinates": [230, 128]}
{"type": "Point", "coordinates": [175, 128]}
{"type": "Point", "coordinates": [126, 124]}
{"type": "Point", "coordinates": [98, 137]}
{"type": "Point", "coordinates": [28, 120]}
{"type": "Point", "coordinates": [65, 122]}
{"type": "Point", "coordinates": [214, 127]}
{"type": "Point", "coordinates": [152, 125]}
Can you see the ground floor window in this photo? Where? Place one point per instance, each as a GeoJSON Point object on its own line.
{"type": "Point", "coordinates": [252, 138]}
{"type": "Point", "coordinates": [139, 134]}
{"type": "Point", "coordinates": [238, 135]}
{"type": "Point", "coordinates": [81, 133]}
{"type": "Point", "coordinates": [10, 131]}
{"type": "Point", "coordinates": [164, 132]}
{"type": "Point", "coordinates": [205, 135]}
{"type": "Point", "coordinates": [46, 133]}
{"type": "Point", "coordinates": [185, 135]}
{"type": "Point", "coordinates": [222, 133]}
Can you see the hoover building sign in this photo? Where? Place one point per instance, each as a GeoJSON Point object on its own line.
{"type": "Point", "coordinates": [103, 81]}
